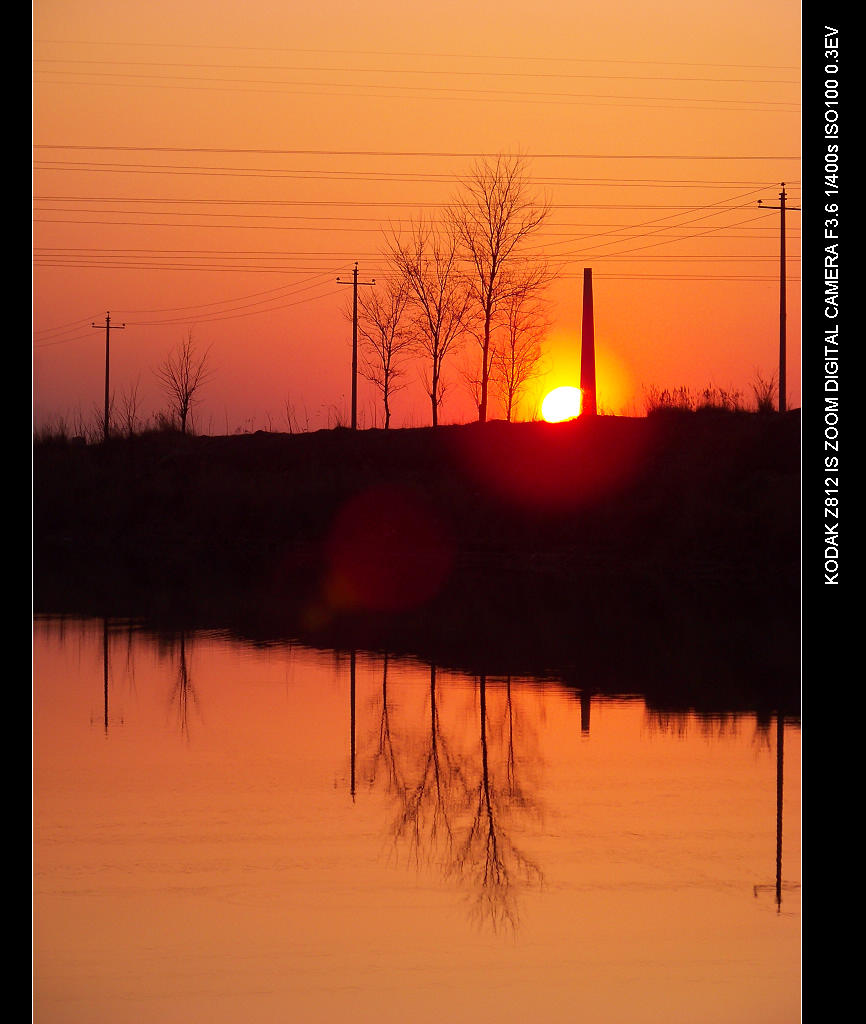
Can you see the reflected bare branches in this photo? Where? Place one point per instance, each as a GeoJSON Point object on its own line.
{"type": "Point", "coordinates": [436, 792]}
{"type": "Point", "coordinates": [384, 756]}
{"type": "Point", "coordinates": [457, 796]}
{"type": "Point", "coordinates": [487, 856]}
{"type": "Point", "coordinates": [183, 693]}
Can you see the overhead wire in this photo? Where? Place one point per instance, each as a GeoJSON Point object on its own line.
{"type": "Point", "coordinates": [268, 295]}
{"type": "Point", "coordinates": [388, 90]}
{"type": "Point", "coordinates": [100, 147]}
{"type": "Point", "coordinates": [615, 234]}
{"type": "Point", "coordinates": [450, 72]}
{"type": "Point", "coordinates": [547, 58]}
{"type": "Point", "coordinates": [598, 182]}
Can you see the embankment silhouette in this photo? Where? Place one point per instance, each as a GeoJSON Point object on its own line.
{"type": "Point", "coordinates": [658, 555]}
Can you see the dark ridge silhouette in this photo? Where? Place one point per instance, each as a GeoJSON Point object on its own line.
{"type": "Point", "coordinates": [656, 555]}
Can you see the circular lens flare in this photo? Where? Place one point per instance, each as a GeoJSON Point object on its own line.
{"type": "Point", "coordinates": [561, 404]}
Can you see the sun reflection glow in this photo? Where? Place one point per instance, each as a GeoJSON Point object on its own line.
{"type": "Point", "coordinates": [561, 404]}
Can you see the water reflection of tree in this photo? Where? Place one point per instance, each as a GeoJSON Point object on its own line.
{"type": "Point", "coordinates": [385, 755]}
{"type": "Point", "coordinates": [426, 784]}
{"type": "Point", "coordinates": [455, 803]}
{"type": "Point", "coordinates": [183, 692]}
{"type": "Point", "coordinates": [430, 801]}
{"type": "Point", "coordinates": [487, 854]}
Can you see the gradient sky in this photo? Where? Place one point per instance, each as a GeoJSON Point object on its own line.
{"type": "Point", "coordinates": [175, 186]}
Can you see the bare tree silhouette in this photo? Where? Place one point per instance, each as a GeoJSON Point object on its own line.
{"type": "Point", "coordinates": [427, 260]}
{"type": "Point", "coordinates": [493, 214]}
{"type": "Point", "coordinates": [518, 358]}
{"type": "Point", "coordinates": [129, 406]}
{"type": "Point", "coordinates": [385, 340]}
{"type": "Point", "coordinates": [182, 375]}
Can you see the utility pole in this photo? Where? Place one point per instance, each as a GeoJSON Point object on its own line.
{"type": "Point", "coordinates": [355, 282]}
{"type": "Point", "coordinates": [783, 298]}
{"type": "Point", "coordinates": [109, 327]}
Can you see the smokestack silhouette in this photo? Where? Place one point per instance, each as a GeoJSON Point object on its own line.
{"type": "Point", "coordinates": [587, 350]}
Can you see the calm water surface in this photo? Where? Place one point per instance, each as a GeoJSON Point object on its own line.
{"type": "Point", "coordinates": [229, 833]}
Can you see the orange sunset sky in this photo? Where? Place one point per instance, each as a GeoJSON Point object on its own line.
{"type": "Point", "coordinates": [216, 166]}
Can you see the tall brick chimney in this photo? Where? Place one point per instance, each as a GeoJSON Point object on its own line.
{"type": "Point", "coordinates": [587, 350]}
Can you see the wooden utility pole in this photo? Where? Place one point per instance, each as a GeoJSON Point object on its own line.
{"type": "Point", "coordinates": [783, 297]}
{"type": "Point", "coordinates": [355, 282]}
{"type": "Point", "coordinates": [109, 327]}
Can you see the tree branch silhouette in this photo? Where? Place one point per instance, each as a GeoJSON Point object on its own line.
{"type": "Point", "coordinates": [493, 213]}
{"type": "Point", "coordinates": [182, 375]}
{"type": "Point", "coordinates": [384, 335]}
{"type": "Point", "coordinates": [427, 260]}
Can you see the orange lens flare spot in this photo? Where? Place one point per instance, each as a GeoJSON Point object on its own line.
{"type": "Point", "coordinates": [387, 551]}
{"type": "Point", "coordinates": [561, 404]}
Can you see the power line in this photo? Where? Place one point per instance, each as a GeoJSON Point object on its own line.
{"type": "Point", "coordinates": [441, 92]}
{"type": "Point", "coordinates": [714, 207]}
{"type": "Point", "coordinates": [233, 315]}
{"type": "Point", "coordinates": [418, 53]}
{"type": "Point", "coordinates": [70, 325]}
{"type": "Point", "coordinates": [342, 218]}
{"type": "Point", "coordinates": [599, 182]}
{"type": "Point", "coordinates": [291, 289]}
{"type": "Point", "coordinates": [401, 153]}
{"type": "Point", "coordinates": [277, 174]}
{"type": "Point", "coordinates": [666, 241]}
{"type": "Point", "coordinates": [213, 318]}
{"type": "Point", "coordinates": [295, 286]}
{"type": "Point", "coordinates": [220, 254]}
{"type": "Point", "coordinates": [418, 71]}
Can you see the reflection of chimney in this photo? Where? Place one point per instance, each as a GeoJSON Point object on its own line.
{"type": "Point", "coordinates": [585, 705]}
{"type": "Point", "coordinates": [587, 350]}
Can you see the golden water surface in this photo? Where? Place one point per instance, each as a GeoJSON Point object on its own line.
{"type": "Point", "coordinates": [235, 833]}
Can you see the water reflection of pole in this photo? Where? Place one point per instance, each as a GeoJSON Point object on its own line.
{"type": "Point", "coordinates": [105, 674]}
{"type": "Point", "coordinates": [585, 702]}
{"type": "Point", "coordinates": [185, 691]}
{"type": "Point", "coordinates": [482, 687]}
{"type": "Point", "coordinates": [780, 763]}
{"type": "Point", "coordinates": [433, 705]}
{"type": "Point", "coordinates": [780, 775]}
{"type": "Point", "coordinates": [352, 720]}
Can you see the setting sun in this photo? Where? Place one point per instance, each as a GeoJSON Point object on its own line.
{"type": "Point", "coordinates": [561, 404]}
